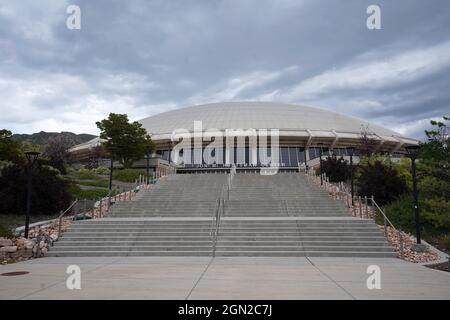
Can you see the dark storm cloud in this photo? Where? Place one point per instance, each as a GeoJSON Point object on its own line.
{"type": "Point", "coordinates": [144, 57]}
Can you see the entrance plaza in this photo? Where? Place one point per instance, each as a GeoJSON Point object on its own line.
{"type": "Point", "coordinates": [229, 227]}
{"type": "Point", "coordinates": [223, 278]}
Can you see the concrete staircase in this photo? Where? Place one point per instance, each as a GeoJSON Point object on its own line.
{"type": "Point", "coordinates": [301, 237]}
{"type": "Point", "coordinates": [136, 237]}
{"type": "Point", "coordinates": [279, 215]}
{"type": "Point", "coordinates": [183, 195]}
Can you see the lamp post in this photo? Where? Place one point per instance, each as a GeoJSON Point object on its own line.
{"type": "Point", "coordinates": [413, 152]}
{"type": "Point", "coordinates": [147, 156]}
{"type": "Point", "coordinates": [320, 158]}
{"type": "Point", "coordinates": [306, 161]}
{"type": "Point", "coordinates": [351, 151]}
{"type": "Point", "coordinates": [31, 160]}
{"type": "Point", "coordinates": [111, 167]}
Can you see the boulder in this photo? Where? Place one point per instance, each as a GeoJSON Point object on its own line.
{"type": "Point", "coordinates": [5, 242]}
{"type": "Point", "coordinates": [28, 244]}
{"type": "Point", "coordinates": [9, 249]}
{"type": "Point", "coordinates": [20, 242]}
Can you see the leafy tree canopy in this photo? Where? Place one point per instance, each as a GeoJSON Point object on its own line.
{"type": "Point", "coordinates": [379, 177]}
{"type": "Point", "coordinates": [9, 148]}
{"type": "Point", "coordinates": [126, 142]}
{"type": "Point", "coordinates": [337, 169]}
{"type": "Point", "coordinates": [50, 191]}
{"type": "Point", "coordinates": [438, 145]}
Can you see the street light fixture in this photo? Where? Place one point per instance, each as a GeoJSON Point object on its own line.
{"type": "Point", "coordinates": [147, 156]}
{"type": "Point", "coordinates": [320, 157]}
{"type": "Point", "coordinates": [31, 160]}
{"type": "Point", "coordinates": [111, 167]}
{"type": "Point", "coordinates": [351, 151]}
{"type": "Point", "coordinates": [413, 152]}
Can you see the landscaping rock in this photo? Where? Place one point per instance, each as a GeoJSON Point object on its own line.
{"type": "Point", "coordinates": [8, 249]}
{"type": "Point", "coordinates": [5, 242]}
{"type": "Point", "coordinates": [29, 244]}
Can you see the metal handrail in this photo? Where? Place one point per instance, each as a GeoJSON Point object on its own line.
{"type": "Point", "coordinates": [219, 210]}
{"type": "Point", "coordinates": [383, 213]}
{"type": "Point", "coordinates": [386, 219]}
{"type": "Point", "coordinates": [214, 218]}
{"type": "Point", "coordinates": [62, 214]}
{"type": "Point", "coordinates": [374, 204]}
{"type": "Point", "coordinates": [60, 217]}
{"type": "Point", "coordinates": [286, 207]}
{"type": "Point", "coordinates": [215, 223]}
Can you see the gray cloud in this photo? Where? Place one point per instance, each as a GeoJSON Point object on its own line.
{"type": "Point", "coordinates": [145, 57]}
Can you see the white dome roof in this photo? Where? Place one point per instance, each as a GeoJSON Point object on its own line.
{"type": "Point", "coordinates": [258, 115]}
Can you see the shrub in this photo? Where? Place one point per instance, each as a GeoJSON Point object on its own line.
{"type": "Point", "coordinates": [435, 220]}
{"type": "Point", "coordinates": [127, 175]}
{"type": "Point", "coordinates": [6, 232]}
{"type": "Point", "coordinates": [446, 242]}
{"type": "Point", "coordinates": [380, 178]}
{"type": "Point", "coordinates": [336, 169]}
{"type": "Point", "coordinates": [102, 170]}
{"type": "Point", "coordinates": [85, 174]}
{"type": "Point", "coordinates": [50, 190]}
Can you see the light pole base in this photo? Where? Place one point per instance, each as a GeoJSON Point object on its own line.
{"type": "Point", "coordinates": [420, 248]}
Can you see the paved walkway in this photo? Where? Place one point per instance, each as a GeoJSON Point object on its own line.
{"type": "Point", "coordinates": [223, 278]}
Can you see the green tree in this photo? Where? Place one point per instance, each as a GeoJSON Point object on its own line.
{"type": "Point", "coordinates": [434, 213]}
{"type": "Point", "coordinates": [438, 145]}
{"type": "Point", "coordinates": [50, 191]}
{"type": "Point", "coordinates": [337, 169]}
{"type": "Point", "coordinates": [379, 177]}
{"type": "Point", "coordinates": [125, 142]}
{"type": "Point", "coordinates": [9, 149]}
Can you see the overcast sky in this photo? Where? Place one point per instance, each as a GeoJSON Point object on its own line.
{"type": "Point", "coordinates": [145, 57]}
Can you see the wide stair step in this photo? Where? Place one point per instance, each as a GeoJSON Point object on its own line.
{"type": "Point", "coordinates": [274, 216]}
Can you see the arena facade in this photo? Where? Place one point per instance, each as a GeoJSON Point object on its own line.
{"type": "Point", "coordinates": [257, 134]}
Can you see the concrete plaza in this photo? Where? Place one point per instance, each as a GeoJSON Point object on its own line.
{"type": "Point", "coordinates": [223, 278]}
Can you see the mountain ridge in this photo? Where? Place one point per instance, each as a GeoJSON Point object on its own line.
{"type": "Point", "coordinates": [43, 138]}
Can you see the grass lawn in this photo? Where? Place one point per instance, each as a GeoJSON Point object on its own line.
{"type": "Point", "coordinates": [94, 183]}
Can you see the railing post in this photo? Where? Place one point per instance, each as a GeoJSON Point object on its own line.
{"type": "Point", "coordinates": [59, 224]}
{"type": "Point", "coordinates": [367, 209]}
{"type": "Point", "coordinates": [373, 207]}
{"type": "Point", "coordinates": [385, 222]}
{"type": "Point", "coordinates": [38, 244]}
{"type": "Point", "coordinates": [401, 244]}
{"type": "Point", "coordinates": [360, 206]}
{"type": "Point", "coordinates": [355, 213]}
{"type": "Point", "coordinates": [85, 208]}
{"type": "Point", "coordinates": [100, 208]}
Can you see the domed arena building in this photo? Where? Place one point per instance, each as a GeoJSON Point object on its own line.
{"type": "Point", "coordinates": [302, 133]}
{"type": "Point", "coordinates": [257, 194]}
